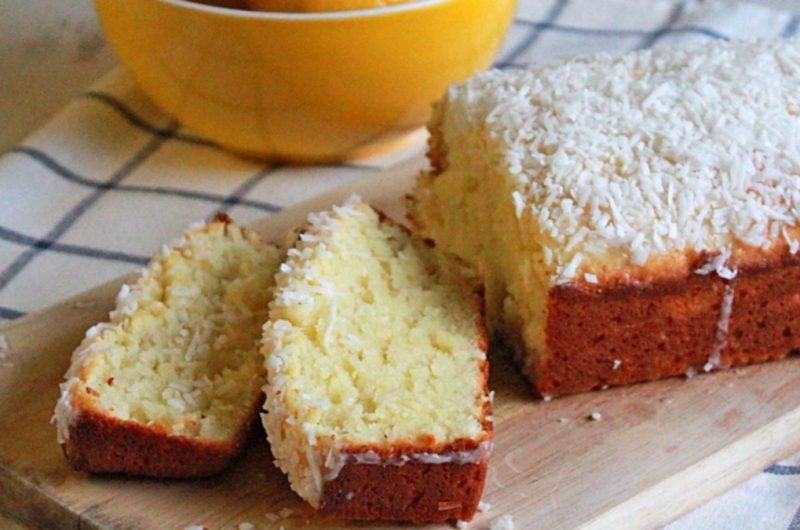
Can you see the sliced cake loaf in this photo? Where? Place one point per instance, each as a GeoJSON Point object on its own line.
{"type": "Point", "coordinates": [377, 402]}
{"type": "Point", "coordinates": [634, 217]}
{"type": "Point", "coordinates": [171, 385]}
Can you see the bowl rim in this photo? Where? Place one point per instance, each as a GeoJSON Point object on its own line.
{"type": "Point", "coordinates": [413, 5]}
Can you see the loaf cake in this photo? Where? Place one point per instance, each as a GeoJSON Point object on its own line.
{"type": "Point", "coordinates": [377, 402]}
{"type": "Point", "coordinates": [171, 385]}
{"type": "Point", "coordinates": [634, 217]}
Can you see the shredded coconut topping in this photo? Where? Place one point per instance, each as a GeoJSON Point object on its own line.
{"type": "Point", "coordinates": [646, 154]}
{"type": "Point", "coordinates": [719, 265]}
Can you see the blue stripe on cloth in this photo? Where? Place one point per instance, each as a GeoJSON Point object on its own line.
{"type": "Point", "coordinates": [10, 314]}
{"type": "Point", "coordinates": [134, 119]}
{"type": "Point", "coordinates": [535, 32]}
{"type": "Point", "coordinates": [245, 188]}
{"type": "Point", "coordinates": [778, 469]}
{"type": "Point", "coordinates": [699, 30]}
{"type": "Point", "coordinates": [791, 27]}
{"type": "Point", "coordinates": [10, 272]}
{"type": "Point", "coordinates": [60, 170]}
{"type": "Point", "coordinates": [6, 234]}
{"type": "Point", "coordinates": [795, 523]}
{"type": "Point", "coordinates": [651, 39]}
{"type": "Point", "coordinates": [140, 123]}
{"type": "Point", "coordinates": [621, 33]}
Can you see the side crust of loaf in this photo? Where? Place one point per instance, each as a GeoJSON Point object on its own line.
{"type": "Point", "coordinates": [100, 443]}
{"type": "Point", "coordinates": [629, 334]}
{"type": "Point", "coordinates": [413, 492]}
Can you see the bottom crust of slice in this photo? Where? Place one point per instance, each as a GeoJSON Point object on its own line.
{"type": "Point", "coordinates": [413, 492]}
{"type": "Point", "coordinates": [628, 334]}
{"type": "Point", "coordinates": [99, 443]}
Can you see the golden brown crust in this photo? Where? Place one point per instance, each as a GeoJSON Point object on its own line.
{"type": "Point", "coordinates": [100, 443]}
{"type": "Point", "coordinates": [413, 492]}
{"type": "Point", "coordinates": [437, 149]}
{"type": "Point", "coordinates": [666, 329]}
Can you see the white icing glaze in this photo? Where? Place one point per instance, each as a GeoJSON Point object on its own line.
{"type": "Point", "coordinates": [722, 328]}
{"type": "Point", "coordinates": [471, 456]}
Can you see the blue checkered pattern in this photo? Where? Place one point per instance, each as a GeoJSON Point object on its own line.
{"type": "Point", "coordinates": [93, 193]}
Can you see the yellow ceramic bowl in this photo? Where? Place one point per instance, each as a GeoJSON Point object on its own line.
{"type": "Point", "coordinates": [302, 86]}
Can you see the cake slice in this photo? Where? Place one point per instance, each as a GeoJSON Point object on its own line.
{"type": "Point", "coordinates": [377, 403]}
{"type": "Point", "coordinates": [171, 385]}
{"type": "Point", "coordinates": [634, 217]}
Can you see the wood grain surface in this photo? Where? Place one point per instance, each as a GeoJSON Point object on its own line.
{"type": "Point", "coordinates": [659, 450]}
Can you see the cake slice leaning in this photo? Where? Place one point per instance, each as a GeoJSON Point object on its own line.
{"type": "Point", "coordinates": [377, 403]}
{"type": "Point", "coordinates": [171, 385]}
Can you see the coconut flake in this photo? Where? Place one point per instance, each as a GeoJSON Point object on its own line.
{"type": "Point", "coordinates": [504, 522]}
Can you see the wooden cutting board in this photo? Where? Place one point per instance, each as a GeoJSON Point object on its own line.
{"type": "Point", "coordinates": [659, 450]}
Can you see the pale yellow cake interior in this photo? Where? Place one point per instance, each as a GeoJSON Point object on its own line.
{"type": "Point", "coordinates": [373, 337]}
{"type": "Point", "coordinates": [182, 351]}
{"type": "Point", "coordinates": [468, 210]}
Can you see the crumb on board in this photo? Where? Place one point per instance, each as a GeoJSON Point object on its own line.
{"type": "Point", "coordinates": [462, 525]}
{"type": "Point", "coordinates": [562, 421]}
{"type": "Point", "coordinates": [595, 416]}
{"type": "Point", "coordinates": [546, 398]}
{"type": "Point", "coordinates": [508, 461]}
{"type": "Point", "coordinates": [691, 372]}
{"type": "Point", "coordinates": [604, 387]}
{"type": "Point", "coordinates": [484, 507]}
{"type": "Point", "coordinates": [194, 527]}
{"type": "Point", "coordinates": [504, 522]}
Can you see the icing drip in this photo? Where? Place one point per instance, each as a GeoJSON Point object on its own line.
{"type": "Point", "coordinates": [722, 328]}
{"type": "Point", "coordinates": [335, 462]}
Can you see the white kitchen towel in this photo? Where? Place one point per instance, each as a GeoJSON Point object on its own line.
{"type": "Point", "coordinates": [98, 189]}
